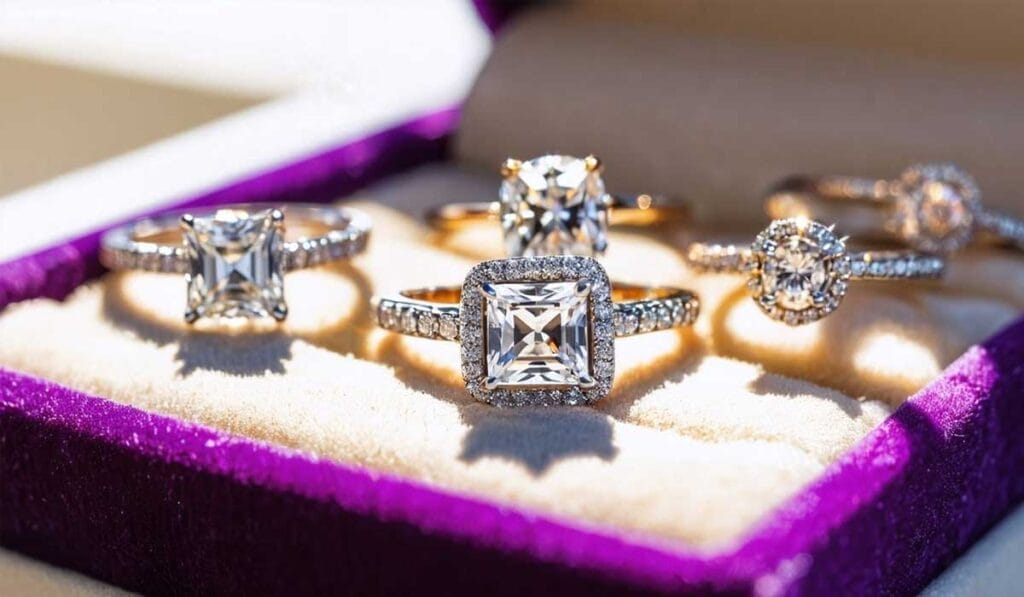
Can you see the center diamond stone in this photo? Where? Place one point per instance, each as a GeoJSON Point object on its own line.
{"type": "Point", "coordinates": [796, 272]}
{"type": "Point", "coordinates": [537, 334]}
{"type": "Point", "coordinates": [235, 265]}
{"type": "Point", "coordinates": [554, 205]}
{"type": "Point", "coordinates": [799, 270]}
{"type": "Point", "coordinates": [934, 212]}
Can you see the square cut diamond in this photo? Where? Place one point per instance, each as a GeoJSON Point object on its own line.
{"type": "Point", "coordinates": [235, 263]}
{"type": "Point", "coordinates": [537, 331]}
{"type": "Point", "coordinates": [538, 334]}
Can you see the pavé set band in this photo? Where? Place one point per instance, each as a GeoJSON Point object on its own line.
{"type": "Point", "coordinates": [539, 326]}
{"type": "Point", "coordinates": [537, 330]}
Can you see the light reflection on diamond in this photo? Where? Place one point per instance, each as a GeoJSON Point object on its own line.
{"type": "Point", "coordinates": [537, 334]}
{"type": "Point", "coordinates": [554, 205]}
{"type": "Point", "coordinates": [236, 267]}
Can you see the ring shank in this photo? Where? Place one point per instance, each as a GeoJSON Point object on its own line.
{"type": "Point", "coordinates": [435, 312]}
{"type": "Point", "coordinates": [865, 265]}
{"type": "Point", "coordinates": [315, 234]}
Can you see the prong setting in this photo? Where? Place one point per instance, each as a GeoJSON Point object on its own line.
{"type": "Point", "coordinates": [510, 167]}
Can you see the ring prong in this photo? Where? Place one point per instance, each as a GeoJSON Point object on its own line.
{"type": "Point", "coordinates": [510, 167]}
{"type": "Point", "coordinates": [279, 312]}
{"type": "Point", "coordinates": [277, 216]}
{"type": "Point", "coordinates": [490, 383]}
{"type": "Point", "coordinates": [583, 288]}
{"type": "Point", "coordinates": [586, 381]}
{"type": "Point", "coordinates": [592, 163]}
{"type": "Point", "coordinates": [191, 315]}
{"type": "Point", "coordinates": [188, 221]}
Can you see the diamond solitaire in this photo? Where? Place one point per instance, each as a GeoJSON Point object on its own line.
{"type": "Point", "coordinates": [236, 265]}
{"type": "Point", "coordinates": [554, 205]}
{"type": "Point", "coordinates": [234, 259]}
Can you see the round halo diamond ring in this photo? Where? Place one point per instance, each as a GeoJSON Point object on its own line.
{"type": "Point", "coordinates": [537, 330]}
{"type": "Point", "coordinates": [798, 270]}
{"type": "Point", "coordinates": [933, 208]}
{"type": "Point", "coordinates": [557, 205]}
{"type": "Point", "coordinates": [234, 258]}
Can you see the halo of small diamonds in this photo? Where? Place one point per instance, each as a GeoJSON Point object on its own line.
{"type": "Point", "coordinates": [555, 269]}
{"type": "Point", "coordinates": [936, 206]}
{"type": "Point", "coordinates": [798, 271]}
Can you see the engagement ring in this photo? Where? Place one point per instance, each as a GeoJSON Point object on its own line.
{"type": "Point", "coordinates": [798, 270]}
{"type": "Point", "coordinates": [234, 259]}
{"type": "Point", "coordinates": [537, 330]}
{"type": "Point", "coordinates": [556, 205]}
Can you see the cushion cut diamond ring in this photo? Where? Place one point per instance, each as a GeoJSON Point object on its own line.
{"type": "Point", "coordinates": [536, 330]}
{"type": "Point", "coordinates": [557, 205]}
{"type": "Point", "coordinates": [235, 257]}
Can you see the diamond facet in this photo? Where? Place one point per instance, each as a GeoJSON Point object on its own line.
{"type": "Point", "coordinates": [806, 269]}
{"type": "Point", "coordinates": [235, 263]}
{"type": "Point", "coordinates": [554, 205]}
{"type": "Point", "coordinates": [537, 334]}
{"type": "Point", "coordinates": [935, 207]}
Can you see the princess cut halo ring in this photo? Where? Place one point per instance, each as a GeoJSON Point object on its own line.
{"type": "Point", "coordinates": [798, 270]}
{"type": "Point", "coordinates": [557, 205]}
{"type": "Point", "coordinates": [536, 330]}
{"type": "Point", "coordinates": [934, 208]}
{"type": "Point", "coordinates": [234, 258]}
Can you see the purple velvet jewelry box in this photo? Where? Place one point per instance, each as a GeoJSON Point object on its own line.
{"type": "Point", "coordinates": [157, 505]}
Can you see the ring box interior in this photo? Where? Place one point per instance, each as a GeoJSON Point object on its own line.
{"type": "Point", "coordinates": [862, 452]}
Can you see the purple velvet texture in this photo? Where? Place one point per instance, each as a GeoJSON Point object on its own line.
{"type": "Point", "coordinates": [162, 506]}
{"type": "Point", "coordinates": [55, 272]}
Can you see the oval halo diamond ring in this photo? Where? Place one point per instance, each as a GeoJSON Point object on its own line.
{"type": "Point", "coordinates": [557, 205]}
{"type": "Point", "coordinates": [536, 330]}
{"type": "Point", "coordinates": [798, 270]}
{"type": "Point", "coordinates": [934, 208]}
{"type": "Point", "coordinates": [234, 258]}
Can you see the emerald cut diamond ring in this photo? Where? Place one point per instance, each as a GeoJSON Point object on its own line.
{"type": "Point", "coordinates": [234, 257]}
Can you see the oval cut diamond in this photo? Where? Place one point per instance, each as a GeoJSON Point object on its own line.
{"type": "Point", "coordinates": [554, 205]}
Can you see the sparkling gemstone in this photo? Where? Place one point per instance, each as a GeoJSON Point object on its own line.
{"type": "Point", "coordinates": [936, 209]}
{"type": "Point", "coordinates": [802, 273]}
{"type": "Point", "coordinates": [537, 334]}
{"type": "Point", "coordinates": [795, 272]}
{"type": "Point", "coordinates": [447, 327]}
{"type": "Point", "coordinates": [554, 205]}
{"type": "Point", "coordinates": [425, 324]}
{"type": "Point", "coordinates": [235, 264]}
